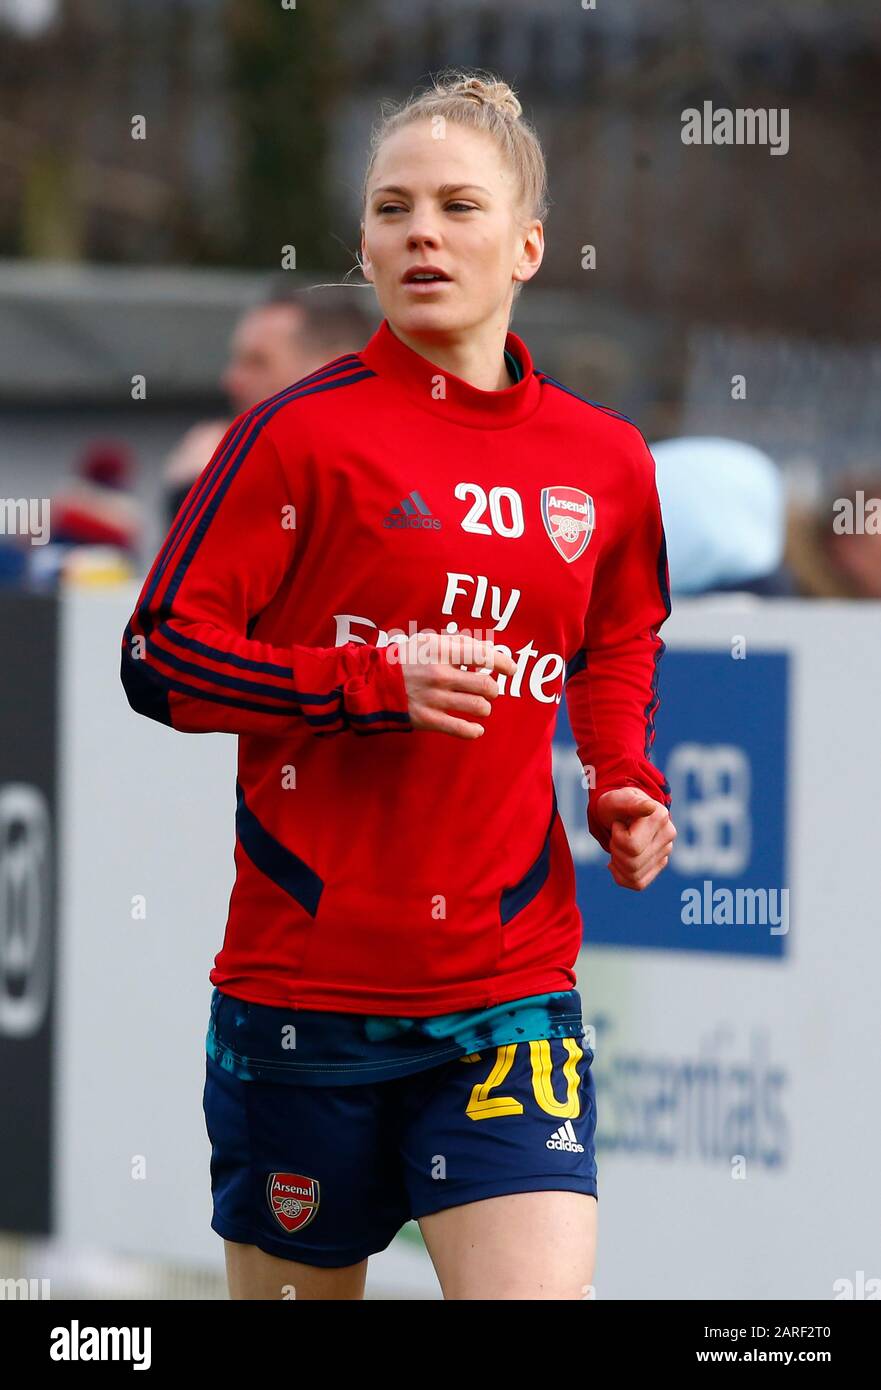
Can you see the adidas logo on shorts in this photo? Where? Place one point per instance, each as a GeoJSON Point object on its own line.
{"type": "Point", "coordinates": [565, 1138]}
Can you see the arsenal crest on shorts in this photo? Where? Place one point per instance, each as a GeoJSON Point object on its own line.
{"type": "Point", "coordinates": [568, 515]}
{"type": "Point", "coordinates": [293, 1199]}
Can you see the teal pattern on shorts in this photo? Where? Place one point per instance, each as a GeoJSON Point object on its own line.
{"type": "Point", "coordinates": [310, 1047]}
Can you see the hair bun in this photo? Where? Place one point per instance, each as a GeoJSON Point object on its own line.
{"type": "Point", "coordinates": [496, 94]}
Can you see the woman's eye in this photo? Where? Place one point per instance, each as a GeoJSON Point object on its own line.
{"type": "Point", "coordinates": [453, 207]}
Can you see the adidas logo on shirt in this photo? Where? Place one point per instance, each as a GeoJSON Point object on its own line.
{"type": "Point", "coordinates": [412, 514]}
{"type": "Point", "coordinates": [565, 1138]}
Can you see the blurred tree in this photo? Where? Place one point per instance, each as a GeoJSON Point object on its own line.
{"type": "Point", "coordinates": [51, 212]}
{"type": "Point", "coordinates": [284, 79]}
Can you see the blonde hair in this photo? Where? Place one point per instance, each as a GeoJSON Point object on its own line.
{"type": "Point", "coordinates": [481, 101]}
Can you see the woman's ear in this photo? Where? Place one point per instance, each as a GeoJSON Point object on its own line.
{"type": "Point", "coordinates": [532, 253]}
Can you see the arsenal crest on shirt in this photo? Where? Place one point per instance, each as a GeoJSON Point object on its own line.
{"type": "Point", "coordinates": [293, 1199]}
{"type": "Point", "coordinates": [568, 515]}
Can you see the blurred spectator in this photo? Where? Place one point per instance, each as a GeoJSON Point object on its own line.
{"type": "Point", "coordinates": [93, 526]}
{"type": "Point", "coordinates": [274, 344]}
{"type": "Point", "coordinates": [97, 507]}
{"type": "Point", "coordinates": [833, 550]}
{"type": "Point", "coordinates": [724, 517]}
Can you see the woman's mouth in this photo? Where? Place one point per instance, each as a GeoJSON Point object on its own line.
{"type": "Point", "coordinates": [424, 279]}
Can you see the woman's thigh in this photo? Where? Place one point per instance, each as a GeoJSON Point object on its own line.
{"type": "Point", "coordinates": [526, 1245]}
{"type": "Point", "coordinates": [251, 1273]}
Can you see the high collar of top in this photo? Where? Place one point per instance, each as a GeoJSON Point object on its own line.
{"type": "Point", "coordinates": [448, 396]}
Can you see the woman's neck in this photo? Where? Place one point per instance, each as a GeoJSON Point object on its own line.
{"type": "Point", "coordinates": [475, 355]}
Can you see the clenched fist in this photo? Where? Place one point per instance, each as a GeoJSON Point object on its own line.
{"type": "Point", "coordinates": [641, 835]}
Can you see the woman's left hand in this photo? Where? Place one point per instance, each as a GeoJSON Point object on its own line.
{"type": "Point", "coordinates": [641, 835]}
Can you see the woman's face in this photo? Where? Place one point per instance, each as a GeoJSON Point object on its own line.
{"type": "Point", "coordinates": [450, 203]}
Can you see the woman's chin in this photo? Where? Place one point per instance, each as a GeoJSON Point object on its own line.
{"type": "Point", "coordinates": [426, 315]}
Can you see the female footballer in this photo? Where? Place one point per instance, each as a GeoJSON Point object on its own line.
{"type": "Point", "coordinates": [385, 582]}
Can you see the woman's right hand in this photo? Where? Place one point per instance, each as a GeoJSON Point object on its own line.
{"type": "Point", "coordinates": [438, 690]}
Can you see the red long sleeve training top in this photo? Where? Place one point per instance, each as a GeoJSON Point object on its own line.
{"type": "Point", "coordinates": [384, 869]}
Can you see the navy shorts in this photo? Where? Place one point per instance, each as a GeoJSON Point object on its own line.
{"type": "Point", "coordinates": [327, 1175]}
